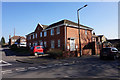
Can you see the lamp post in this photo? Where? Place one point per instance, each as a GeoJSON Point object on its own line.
{"type": "Point", "coordinates": [79, 29]}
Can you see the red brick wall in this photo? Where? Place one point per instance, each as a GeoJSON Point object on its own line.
{"type": "Point", "coordinates": [85, 39]}
{"type": "Point", "coordinates": [49, 37]}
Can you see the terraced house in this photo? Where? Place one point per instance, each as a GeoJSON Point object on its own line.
{"type": "Point", "coordinates": [61, 35]}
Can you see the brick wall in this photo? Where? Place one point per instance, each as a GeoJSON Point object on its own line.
{"type": "Point", "coordinates": [85, 39]}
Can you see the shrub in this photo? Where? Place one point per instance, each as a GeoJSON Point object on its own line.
{"type": "Point", "coordinates": [55, 53]}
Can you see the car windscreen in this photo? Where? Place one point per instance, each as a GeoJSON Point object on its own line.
{"type": "Point", "coordinates": [106, 49]}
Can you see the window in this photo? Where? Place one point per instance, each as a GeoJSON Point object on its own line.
{"type": "Point", "coordinates": [52, 31]}
{"type": "Point", "coordinates": [29, 44]}
{"type": "Point", "coordinates": [30, 37]}
{"type": "Point", "coordinates": [85, 32]}
{"type": "Point", "coordinates": [35, 43]}
{"type": "Point", "coordinates": [41, 43]}
{"type": "Point", "coordinates": [45, 44]}
{"type": "Point", "coordinates": [36, 35]}
{"type": "Point", "coordinates": [33, 36]}
{"type": "Point", "coordinates": [52, 44]}
{"type": "Point", "coordinates": [59, 43]}
{"type": "Point", "coordinates": [37, 47]}
{"type": "Point", "coordinates": [58, 30]}
{"type": "Point", "coordinates": [40, 34]}
{"type": "Point", "coordinates": [45, 33]}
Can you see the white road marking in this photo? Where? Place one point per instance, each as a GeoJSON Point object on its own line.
{"type": "Point", "coordinates": [4, 63]}
{"type": "Point", "coordinates": [32, 68]}
{"type": "Point", "coordinates": [49, 66]}
{"type": "Point", "coordinates": [56, 64]}
{"type": "Point", "coordinates": [42, 67]}
{"type": "Point", "coordinates": [65, 64]}
{"type": "Point", "coordinates": [6, 71]}
{"type": "Point", "coordinates": [21, 69]}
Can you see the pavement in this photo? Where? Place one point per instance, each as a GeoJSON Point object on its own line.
{"type": "Point", "coordinates": [45, 67]}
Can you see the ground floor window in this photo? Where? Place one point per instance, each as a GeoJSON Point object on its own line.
{"type": "Point", "coordinates": [45, 44]}
{"type": "Point", "coordinates": [59, 43]}
{"type": "Point", "coordinates": [29, 44]}
{"type": "Point", "coordinates": [41, 43]}
{"type": "Point", "coordinates": [35, 43]}
{"type": "Point", "coordinates": [52, 44]}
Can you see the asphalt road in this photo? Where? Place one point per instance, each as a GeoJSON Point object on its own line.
{"type": "Point", "coordinates": [44, 67]}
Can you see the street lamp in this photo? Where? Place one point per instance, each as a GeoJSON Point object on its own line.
{"type": "Point", "coordinates": [79, 29]}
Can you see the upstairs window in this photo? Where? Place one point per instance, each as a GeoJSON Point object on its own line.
{"type": "Point", "coordinates": [45, 33]}
{"type": "Point", "coordinates": [58, 30]}
{"type": "Point", "coordinates": [33, 36]}
{"type": "Point", "coordinates": [52, 31]}
{"type": "Point", "coordinates": [40, 34]}
{"type": "Point", "coordinates": [36, 35]}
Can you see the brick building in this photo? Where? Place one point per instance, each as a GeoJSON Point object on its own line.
{"type": "Point", "coordinates": [98, 42]}
{"type": "Point", "coordinates": [62, 35]}
{"type": "Point", "coordinates": [17, 39]}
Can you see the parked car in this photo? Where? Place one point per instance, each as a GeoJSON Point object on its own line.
{"type": "Point", "coordinates": [22, 45]}
{"type": "Point", "coordinates": [37, 50]}
{"type": "Point", "coordinates": [109, 52]}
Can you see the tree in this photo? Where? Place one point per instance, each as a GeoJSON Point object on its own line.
{"type": "Point", "coordinates": [3, 40]}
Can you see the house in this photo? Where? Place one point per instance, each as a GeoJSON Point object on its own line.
{"type": "Point", "coordinates": [61, 35]}
{"type": "Point", "coordinates": [98, 42]}
{"type": "Point", "coordinates": [115, 43]}
{"type": "Point", "coordinates": [17, 40]}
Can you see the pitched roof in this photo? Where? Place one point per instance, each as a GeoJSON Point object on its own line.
{"type": "Point", "coordinates": [17, 37]}
{"type": "Point", "coordinates": [65, 21]}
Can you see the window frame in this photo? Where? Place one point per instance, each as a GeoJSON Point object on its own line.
{"type": "Point", "coordinates": [45, 33]}
{"type": "Point", "coordinates": [52, 44]}
{"type": "Point", "coordinates": [86, 32]}
{"type": "Point", "coordinates": [40, 34]}
{"type": "Point", "coordinates": [52, 31]}
{"type": "Point", "coordinates": [58, 30]}
{"type": "Point", "coordinates": [58, 42]}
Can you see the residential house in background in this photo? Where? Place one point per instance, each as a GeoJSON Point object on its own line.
{"type": "Point", "coordinates": [98, 42]}
{"type": "Point", "coordinates": [61, 35]}
{"type": "Point", "coordinates": [17, 40]}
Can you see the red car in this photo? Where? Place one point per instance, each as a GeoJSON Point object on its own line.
{"type": "Point", "coordinates": [37, 50]}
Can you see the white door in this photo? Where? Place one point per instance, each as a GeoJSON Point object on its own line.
{"type": "Point", "coordinates": [72, 45]}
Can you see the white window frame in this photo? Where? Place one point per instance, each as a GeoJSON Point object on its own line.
{"type": "Point", "coordinates": [59, 43]}
{"type": "Point", "coordinates": [45, 33]}
{"type": "Point", "coordinates": [52, 31]}
{"type": "Point", "coordinates": [58, 30]}
{"type": "Point", "coordinates": [52, 44]}
{"type": "Point", "coordinates": [29, 44]}
{"type": "Point", "coordinates": [40, 34]}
